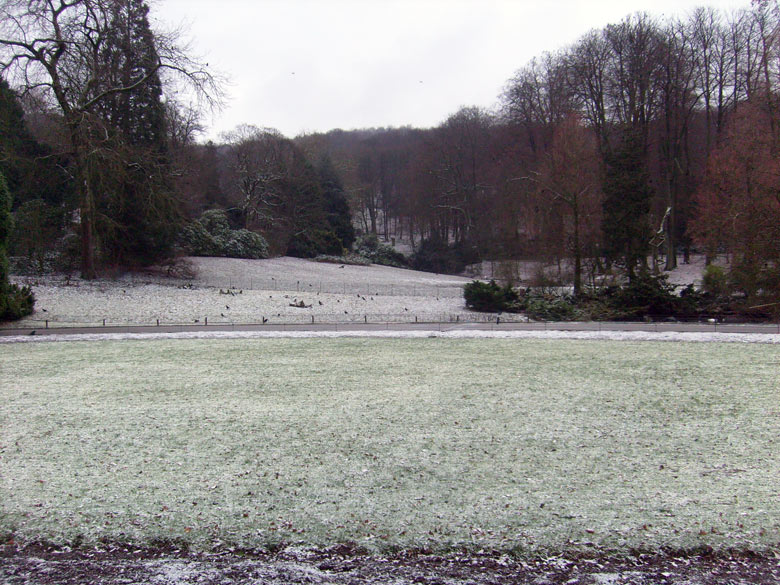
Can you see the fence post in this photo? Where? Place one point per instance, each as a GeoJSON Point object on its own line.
{"type": "Point", "coordinates": [206, 322]}
{"type": "Point", "coordinates": [104, 322]}
{"type": "Point", "coordinates": [47, 323]}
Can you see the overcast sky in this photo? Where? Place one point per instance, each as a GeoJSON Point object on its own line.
{"type": "Point", "coordinates": [314, 65]}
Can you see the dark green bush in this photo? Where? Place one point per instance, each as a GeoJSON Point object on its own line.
{"type": "Point", "coordinates": [368, 246]}
{"type": "Point", "coordinates": [715, 281]}
{"type": "Point", "coordinates": [244, 244]}
{"type": "Point", "coordinates": [645, 295]}
{"type": "Point", "coordinates": [16, 302]}
{"type": "Point", "coordinates": [490, 298]}
{"type": "Point", "coordinates": [436, 255]}
{"type": "Point", "coordinates": [211, 235]}
{"type": "Point", "coordinates": [550, 308]}
{"type": "Point", "coordinates": [312, 243]}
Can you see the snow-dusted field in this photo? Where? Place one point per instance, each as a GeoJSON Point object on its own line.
{"type": "Point", "coordinates": [249, 291]}
{"type": "Point", "coordinates": [526, 445]}
{"type": "Point", "coordinates": [277, 290]}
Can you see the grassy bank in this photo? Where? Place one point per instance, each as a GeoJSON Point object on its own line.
{"type": "Point", "coordinates": [501, 444]}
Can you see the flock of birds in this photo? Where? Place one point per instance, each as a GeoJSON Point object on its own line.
{"type": "Point", "coordinates": [296, 303]}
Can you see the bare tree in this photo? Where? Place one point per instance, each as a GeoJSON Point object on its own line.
{"type": "Point", "coordinates": [678, 98]}
{"type": "Point", "coordinates": [569, 185]}
{"type": "Point", "coordinates": [273, 185]}
{"type": "Point", "coordinates": [55, 48]}
{"type": "Point", "coordinates": [587, 70]}
{"type": "Point", "coordinates": [538, 97]}
{"type": "Point", "coordinates": [256, 160]}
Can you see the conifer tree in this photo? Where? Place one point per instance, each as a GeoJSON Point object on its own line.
{"type": "Point", "coordinates": [80, 56]}
{"type": "Point", "coordinates": [139, 216]}
{"type": "Point", "coordinates": [6, 225]}
{"type": "Point", "coordinates": [627, 195]}
{"type": "Point", "coordinates": [336, 205]}
{"type": "Point", "coordinates": [15, 302]}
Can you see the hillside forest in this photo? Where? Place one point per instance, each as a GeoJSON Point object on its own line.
{"type": "Point", "coordinates": [642, 143]}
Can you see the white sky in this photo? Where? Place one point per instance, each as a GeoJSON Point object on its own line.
{"type": "Point", "coordinates": [314, 65]}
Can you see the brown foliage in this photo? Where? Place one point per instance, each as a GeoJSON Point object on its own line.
{"type": "Point", "coordinates": [739, 201]}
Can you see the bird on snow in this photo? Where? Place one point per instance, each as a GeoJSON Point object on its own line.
{"type": "Point", "coordinates": [265, 320]}
{"type": "Point", "coordinates": [228, 308]}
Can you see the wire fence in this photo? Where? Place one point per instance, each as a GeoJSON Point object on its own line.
{"type": "Point", "coordinates": [480, 321]}
{"type": "Point", "coordinates": [276, 320]}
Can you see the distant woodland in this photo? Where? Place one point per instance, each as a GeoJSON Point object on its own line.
{"type": "Point", "coordinates": [640, 144]}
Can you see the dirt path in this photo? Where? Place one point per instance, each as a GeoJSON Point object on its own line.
{"type": "Point", "coordinates": [344, 566]}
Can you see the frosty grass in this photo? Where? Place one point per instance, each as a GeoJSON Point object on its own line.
{"type": "Point", "coordinates": [510, 444]}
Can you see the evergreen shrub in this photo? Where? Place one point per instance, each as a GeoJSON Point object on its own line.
{"type": "Point", "coordinates": [491, 298]}
{"type": "Point", "coordinates": [368, 246]}
{"type": "Point", "coordinates": [211, 235]}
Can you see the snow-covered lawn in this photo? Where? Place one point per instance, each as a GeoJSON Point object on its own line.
{"type": "Point", "coordinates": [248, 291]}
{"type": "Point", "coordinates": [512, 444]}
{"type": "Point", "coordinates": [293, 273]}
{"type": "Point", "coordinates": [279, 290]}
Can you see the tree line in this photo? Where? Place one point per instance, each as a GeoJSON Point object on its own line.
{"type": "Point", "coordinates": [642, 141]}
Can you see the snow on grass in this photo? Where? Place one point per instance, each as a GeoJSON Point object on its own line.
{"type": "Point", "coordinates": [510, 444]}
{"type": "Point", "coordinates": [289, 273]}
{"type": "Point", "coordinates": [248, 291]}
{"type": "Point", "coordinates": [122, 304]}
{"type": "Point", "coordinates": [427, 331]}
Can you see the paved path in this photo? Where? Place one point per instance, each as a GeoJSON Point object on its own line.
{"type": "Point", "coordinates": [434, 326]}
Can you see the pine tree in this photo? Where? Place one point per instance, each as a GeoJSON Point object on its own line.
{"type": "Point", "coordinates": [35, 175]}
{"type": "Point", "coordinates": [336, 205]}
{"type": "Point", "coordinates": [15, 302]}
{"type": "Point", "coordinates": [130, 57]}
{"type": "Point", "coordinates": [139, 216]}
{"type": "Point", "coordinates": [13, 134]}
{"type": "Point", "coordinates": [6, 225]}
{"type": "Point", "coordinates": [627, 195]}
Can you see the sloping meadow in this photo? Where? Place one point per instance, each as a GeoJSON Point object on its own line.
{"type": "Point", "coordinates": [513, 445]}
